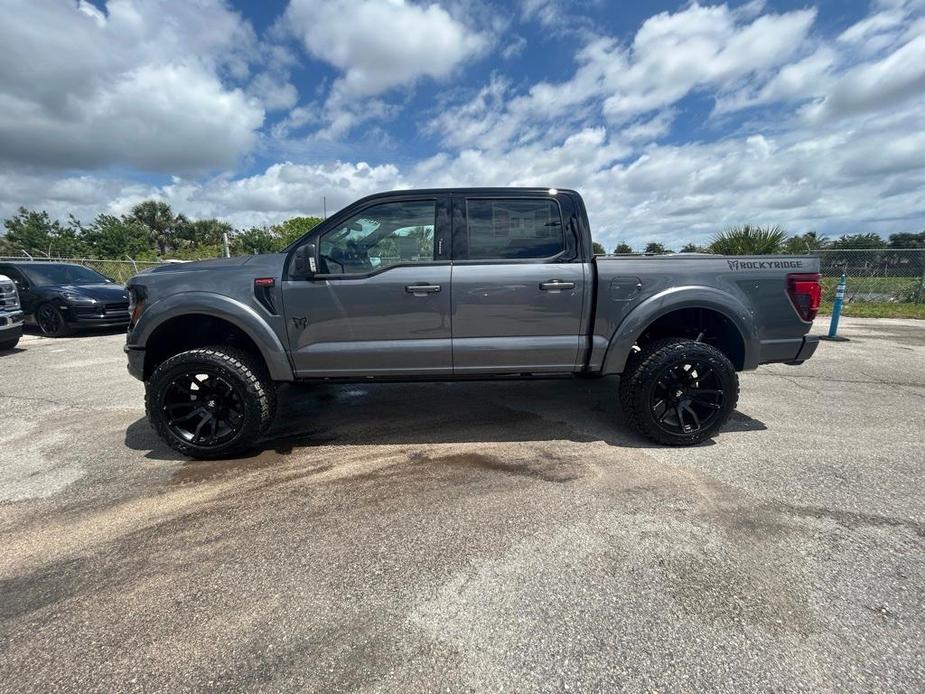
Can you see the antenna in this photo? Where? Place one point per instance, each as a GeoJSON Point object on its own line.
{"type": "Point", "coordinates": [324, 204]}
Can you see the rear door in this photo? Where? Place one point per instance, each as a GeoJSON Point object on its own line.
{"type": "Point", "coordinates": [518, 284]}
{"type": "Point", "coordinates": [380, 303]}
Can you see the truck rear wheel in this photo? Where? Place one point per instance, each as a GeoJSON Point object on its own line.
{"type": "Point", "coordinates": [678, 392]}
{"type": "Point", "coordinates": [211, 402]}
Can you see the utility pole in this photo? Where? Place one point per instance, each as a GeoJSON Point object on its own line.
{"type": "Point", "coordinates": [324, 205]}
{"type": "Point", "coordinates": [225, 244]}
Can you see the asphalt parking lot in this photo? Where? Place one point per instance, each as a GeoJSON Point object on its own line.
{"type": "Point", "coordinates": [478, 536]}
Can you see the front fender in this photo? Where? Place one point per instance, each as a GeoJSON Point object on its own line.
{"type": "Point", "coordinates": [636, 321]}
{"type": "Point", "coordinates": [235, 312]}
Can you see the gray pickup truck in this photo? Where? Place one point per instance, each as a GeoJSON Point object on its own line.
{"type": "Point", "coordinates": [478, 283]}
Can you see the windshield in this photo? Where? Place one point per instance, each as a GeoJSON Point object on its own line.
{"type": "Point", "coordinates": [41, 275]}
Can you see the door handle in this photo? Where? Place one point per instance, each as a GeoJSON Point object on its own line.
{"type": "Point", "coordinates": [422, 289]}
{"type": "Point", "coordinates": [556, 285]}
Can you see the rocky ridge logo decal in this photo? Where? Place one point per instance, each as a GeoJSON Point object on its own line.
{"type": "Point", "coordinates": [765, 264]}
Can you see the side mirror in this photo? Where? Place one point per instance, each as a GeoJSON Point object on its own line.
{"type": "Point", "coordinates": [305, 261]}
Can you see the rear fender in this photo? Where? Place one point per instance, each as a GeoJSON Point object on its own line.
{"type": "Point", "coordinates": [636, 321]}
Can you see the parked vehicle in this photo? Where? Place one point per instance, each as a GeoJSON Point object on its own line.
{"type": "Point", "coordinates": [458, 284]}
{"type": "Point", "coordinates": [11, 317]}
{"type": "Point", "coordinates": [62, 297]}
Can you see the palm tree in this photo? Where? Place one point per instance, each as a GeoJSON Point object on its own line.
{"type": "Point", "coordinates": [162, 222]}
{"type": "Point", "coordinates": [806, 243]}
{"type": "Point", "coordinates": [749, 239]}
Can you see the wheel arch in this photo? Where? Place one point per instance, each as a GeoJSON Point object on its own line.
{"type": "Point", "coordinates": [672, 314]}
{"type": "Point", "coordinates": [197, 319]}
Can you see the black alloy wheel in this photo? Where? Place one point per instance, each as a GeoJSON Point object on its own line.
{"type": "Point", "coordinates": [678, 392]}
{"type": "Point", "coordinates": [202, 408]}
{"type": "Point", "coordinates": [50, 321]}
{"type": "Point", "coordinates": [687, 397]}
{"type": "Point", "coordinates": [211, 402]}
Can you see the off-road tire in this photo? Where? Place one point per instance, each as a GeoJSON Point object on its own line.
{"type": "Point", "coordinates": [247, 376]}
{"type": "Point", "coordinates": [645, 367]}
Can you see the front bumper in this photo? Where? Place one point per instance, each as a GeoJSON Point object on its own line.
{"type": "Point", "coordinates": [11, 326]}
{"type": "Point", "coordinates": [11, 320]}
{"type": "Point", "coordinates": [98, 316]}
{"type": "Point", "coordinates": [136, 361]}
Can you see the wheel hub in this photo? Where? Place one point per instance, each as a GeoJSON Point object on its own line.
{"type": "Point", "coordinates": [687, 397]}
{"type": "Point", "coordinates": [203, 408]}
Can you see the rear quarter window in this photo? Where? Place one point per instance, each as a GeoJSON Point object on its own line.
{"type": "Point", "coordinates": [515, 229]}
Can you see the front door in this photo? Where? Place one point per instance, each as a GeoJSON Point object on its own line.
{"type": "Point", "coordinates": [518, 286]}
{"type": "Point", "coordinates": [380, 302]}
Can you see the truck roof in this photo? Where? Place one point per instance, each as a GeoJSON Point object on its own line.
{"type": "Point", "coordinates": [485, 190]}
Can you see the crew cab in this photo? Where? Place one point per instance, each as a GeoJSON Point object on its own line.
{"type": "Point", "coordinates": [459, 284]}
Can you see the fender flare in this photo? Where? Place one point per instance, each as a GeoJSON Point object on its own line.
{"type": "Point", "coordinates": [235, 312]}
{"type": "Point", "coordinates": [638, 319]}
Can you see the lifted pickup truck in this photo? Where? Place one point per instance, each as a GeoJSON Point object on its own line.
{"type": "Point", "coordinates": [460, 284]}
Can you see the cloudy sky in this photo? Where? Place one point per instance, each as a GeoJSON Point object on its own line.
{"type": "Point", "coordinates": [672, 119]}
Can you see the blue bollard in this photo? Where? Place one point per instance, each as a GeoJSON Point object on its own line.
{"type": "Point", "coordinates": [836, 308]}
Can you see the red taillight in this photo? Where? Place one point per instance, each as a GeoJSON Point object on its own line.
{"type": "Point", "coordinates": [805, 292]}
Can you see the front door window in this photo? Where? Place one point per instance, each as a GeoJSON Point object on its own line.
{"type": "Point", "coordinates": [393, 233]}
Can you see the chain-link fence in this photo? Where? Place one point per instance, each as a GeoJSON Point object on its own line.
{"type": "Point", "coordinates": [116, 270]}
{"type": "Point", "coordinates": [877, 275]}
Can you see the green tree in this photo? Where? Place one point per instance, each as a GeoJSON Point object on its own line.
{"type": "Point", "coordinates": [749, 239]}
{"type": "Point", "coordinates": [203, 232]}
{"type": "Point", "coordinates": [859, 241]}
{"type": "Point", "coordinates": [806, 243]}
{"type": "Point", "coordinates": [906, 240]}
{"type": "Point", "coordinates": [694, 248]}
{"type": "Point", "coordinates": [655, 248]}
{"type": "Point", "coordinates": [163, 224]}
{"type": "Point", "coordinates": [293, 228]}
{"type": "Point", "coordinates": [597, 248]}
{"type": "Point", "coordinates": [37, 234]}
{"type": "Point", "coordinates": [117, 237]}
{"type": "Point", "coordinates": [622, 249]}
{"type": "Point", "coordinates": [255, 240]}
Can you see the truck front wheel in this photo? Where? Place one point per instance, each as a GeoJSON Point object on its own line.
{"type": "Point", "coordinates": [209, 403]}
{"type": "Point", "coordinates": [678, 392]}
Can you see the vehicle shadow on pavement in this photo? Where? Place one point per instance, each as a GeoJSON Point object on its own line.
{"type": "Point", "coordinates": [580, 411]}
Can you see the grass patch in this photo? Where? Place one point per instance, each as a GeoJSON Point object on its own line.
{"type": "Point", "coordinates": [898, 288]}
{"type": "Point", "coordinates": [876, 309]}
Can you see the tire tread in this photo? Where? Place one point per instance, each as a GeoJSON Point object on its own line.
{"type": "Point", "coordinates": [641, 368]}
{"type": "Point", "coordinates": [257, 385]}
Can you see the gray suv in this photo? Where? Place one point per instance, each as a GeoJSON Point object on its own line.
{"type": "Point", "coordinates": [487, 283]}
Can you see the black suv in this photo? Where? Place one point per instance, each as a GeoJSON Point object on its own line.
{"type": "Point", "coordinates": [61, 297]}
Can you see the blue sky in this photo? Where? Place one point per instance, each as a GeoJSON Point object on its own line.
{"type": "Point", "coordinates": [673, 119]}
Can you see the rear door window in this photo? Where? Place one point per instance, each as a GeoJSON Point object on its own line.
{"type": "Point", "coordinates": [515, 229]}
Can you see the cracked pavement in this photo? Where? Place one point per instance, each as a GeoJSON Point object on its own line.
{"type": "Point", "coordinates": [468, 536]}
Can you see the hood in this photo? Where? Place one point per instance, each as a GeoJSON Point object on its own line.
{"type": "Point", "coordinates": [103, 292]}
{"type": "Point", "coordinates": [202, 264]}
